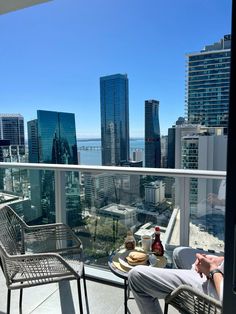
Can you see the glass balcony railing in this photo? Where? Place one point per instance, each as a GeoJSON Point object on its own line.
{"type": "Point", "coordinates": [102, 203]}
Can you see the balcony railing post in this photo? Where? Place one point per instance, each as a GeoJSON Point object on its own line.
{"type": "Point", "coordinates": [60, 196]}
{"type": "Point", "coordinates": [183, 202]}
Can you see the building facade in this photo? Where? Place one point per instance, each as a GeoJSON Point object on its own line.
{"type": "Point", "coordinates": [12, 147]}
{"type": "Point", "coordinates": [199, 147]}
{"type": "Point", "coordinates": [12, 129]}
{"type": "Point", "coordinates": [52, 139]}
{"type": "Point", "coordinates": [114, 102]}
{"type": "Point", "coordinates": [152, 134]}
{"type": "Point", "coordinates": [155, 192]}
{"type": "Point", "coordinates": [207, 84]}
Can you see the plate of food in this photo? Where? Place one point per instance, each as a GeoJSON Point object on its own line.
{"type": "Point", "coordinates": [129, 259]}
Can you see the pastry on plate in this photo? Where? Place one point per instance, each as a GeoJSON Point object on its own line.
{"type": "Point", "coordinates": [137, 258]}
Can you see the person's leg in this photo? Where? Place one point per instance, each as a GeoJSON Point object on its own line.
{"type": "Point", "coordinates": [149, 284]}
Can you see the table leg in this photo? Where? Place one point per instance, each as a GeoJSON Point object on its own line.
{"type": "Point", "coordinates": [125, 296]}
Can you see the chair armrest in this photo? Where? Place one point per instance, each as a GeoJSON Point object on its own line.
{"type": "Point", "coordinates": [56, 237]}
{"type": "Point", "coordinates": [186, 297]}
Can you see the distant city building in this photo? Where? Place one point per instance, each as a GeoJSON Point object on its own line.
{"type": "Point", "coordinates": [33, 141]}
{"type": "Point", "coordinates": [152, 134]}
{"type": "Point", "coordinates": [12, 146]}
{"type": "Point", "coordinates": [52, 139]}
{"type": "Point", "coordinates": [137, 155]}
{"type": "Point", "coordinates": [100, 189]}
{"type": "Point", "coordinates": [164, 150]}
{"type": "Point", "coordinates": [122, 213]}
{"type": "Point", "coordinates": [129, 185]}
{"type": "Point", "coordinates": [155, 192]}
{"type": "Point", "coordinates": [171, 142]}
{"type": "Point", "coordinates": [207, 84]}
{"type": "Point", "coordinates": [180, 121]}
{"type": "Point", "coordinates": [199, 147]}
{"type": "Point", "coordinates": [114, 100]}
{"type": "Point", "coordinates": [12, 129]}
{"type": "Point", "coordinates": [132, 163]}
{"type": "Point", "coordinates": [171, 148]}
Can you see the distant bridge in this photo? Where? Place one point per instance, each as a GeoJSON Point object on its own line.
{"type": "Point", "coordinates": [91, 148]}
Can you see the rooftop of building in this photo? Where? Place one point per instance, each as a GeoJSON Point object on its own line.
{"type": "Point", "coordinates": [117, 208]}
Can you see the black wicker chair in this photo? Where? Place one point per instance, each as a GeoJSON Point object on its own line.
{"type": "Point", "coordinates": [38, 255]}
{"type": "Point", "coordinates": [189, 301]}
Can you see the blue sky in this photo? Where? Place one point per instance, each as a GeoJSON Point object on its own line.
{"type": "Point", "coordinates": [53, 54]}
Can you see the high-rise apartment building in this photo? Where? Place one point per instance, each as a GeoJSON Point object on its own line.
{"type": "Point", "coordinates": [204, 148]}
{"type": "Point", "coordinates": [114, 101]}
{"type": "Point", "coordinates": [52, 139]}
{"type": "Point", "coordinates": [152, 134]}
{"type": "Point", "coordinates": [207, 84]}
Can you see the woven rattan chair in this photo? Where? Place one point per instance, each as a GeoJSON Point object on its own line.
{"type": "Point", "coordinates": [38, 255]}
{"type": "Point", "coordinates": [189, 301]}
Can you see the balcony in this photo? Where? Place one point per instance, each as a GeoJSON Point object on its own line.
{"type": "Point", "coordinates": [101, 204]}
{"type": "Point", "coordinates": [62, 298]}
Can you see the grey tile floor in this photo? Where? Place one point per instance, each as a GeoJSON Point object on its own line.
{"type": "Point", "coordinates": [62, 299]}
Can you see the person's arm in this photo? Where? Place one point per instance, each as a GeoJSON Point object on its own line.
{"type": "Point", "coordinates": [205, 264]}
{"type": "Point", "coordinates": [218, 281]}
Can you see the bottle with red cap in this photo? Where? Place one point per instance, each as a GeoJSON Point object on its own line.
{"type": "Point", "coordinates": [157, 247]}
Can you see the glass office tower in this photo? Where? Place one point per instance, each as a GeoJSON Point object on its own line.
{"type": "Point", "coordinates": [52, 139]}
{"type": "Point", "coordinates": [114, 101]}
{"type": "Point", "coordinates": [57, 137]}
{"type": "Point", "coordinates": [207, 84]}
{"type": "Point", "coordinates": [152, 134]}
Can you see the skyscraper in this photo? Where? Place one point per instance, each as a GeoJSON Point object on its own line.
{"type": "Point", "coordinates": [12, 128]}
{"type": "Point", "coordinates": [52, 139]}
{"type": "Point", "coordinates": [152, 134]}
{"type": "Point", "coordinates": [207, 84]}
{"type": "Point", "coordinates": [114, 100]}
{"type": "Point", "coordinates": [33, 140]}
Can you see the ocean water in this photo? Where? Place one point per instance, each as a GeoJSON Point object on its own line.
{"type": "Point", "coordinates": [90, 150]}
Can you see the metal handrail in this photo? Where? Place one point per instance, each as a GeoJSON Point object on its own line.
{"type": "Point", "coordinates": [193, 173]}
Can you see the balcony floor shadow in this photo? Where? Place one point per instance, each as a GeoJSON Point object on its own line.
{"type": "Point", "coordinates": [63, 299]}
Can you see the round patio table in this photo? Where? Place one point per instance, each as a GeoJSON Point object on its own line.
{"type": "Point", "coordinates": [121, 268]}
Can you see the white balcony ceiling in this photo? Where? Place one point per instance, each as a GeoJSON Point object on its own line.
{"type": "Point", "coordinates": [12, 5]}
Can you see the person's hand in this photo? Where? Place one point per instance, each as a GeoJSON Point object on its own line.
{"type": "Point", "coordinates": [205, 263]}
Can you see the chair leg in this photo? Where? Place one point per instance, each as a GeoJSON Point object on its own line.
{"type": "Point", "coordinates": [166, 308]}
{"type": "Point", "coordinates": [85, 292]}
{"type": "Point", "coordinates": [8, 301]}
{"type": "Point", "coordinates": [80, 297]}
{"type": "Point", "coordinates": [20, 301]}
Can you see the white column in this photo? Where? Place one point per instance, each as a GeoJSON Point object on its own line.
{"type": "Point", "coordinates": [60, 196]}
